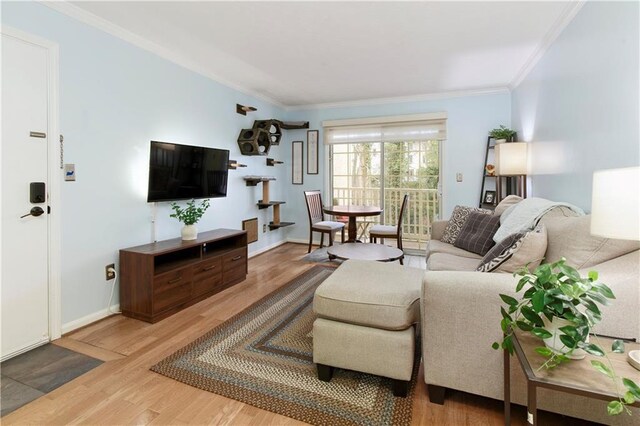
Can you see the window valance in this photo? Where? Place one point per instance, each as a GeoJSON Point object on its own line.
{"type": "Point", "coordinates": [349, 131]}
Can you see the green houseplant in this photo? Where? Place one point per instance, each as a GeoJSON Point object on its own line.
{"type": "Point", "coordinates": [189, 216]}
{"type": "Point", "coordinates": [554, 292]}
{"type": "Point", "coordinates": [502, 133]}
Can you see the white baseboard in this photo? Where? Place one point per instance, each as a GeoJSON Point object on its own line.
{"type": "Point", "coordinates": [91, 318]}
{"type": "Point", "coordinates": [301, 241]}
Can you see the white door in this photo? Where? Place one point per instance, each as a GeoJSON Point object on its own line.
{"type": "Point", "coordinates": [24, 287]}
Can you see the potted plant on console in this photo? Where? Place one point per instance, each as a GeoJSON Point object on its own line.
{"type": "Point", "coordinates": [189, 216]}
{"type": "Point", "coordinates": [561, 307]}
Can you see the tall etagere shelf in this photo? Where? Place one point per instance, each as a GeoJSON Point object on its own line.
{"type": "Point", "coordinates": [490, 181]}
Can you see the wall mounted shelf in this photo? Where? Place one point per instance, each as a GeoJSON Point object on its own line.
{"type": "Point", "coordinates": [266, 202]}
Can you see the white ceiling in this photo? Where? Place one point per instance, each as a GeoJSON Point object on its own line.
{"type": "Point", "coordinates": [308, 53]}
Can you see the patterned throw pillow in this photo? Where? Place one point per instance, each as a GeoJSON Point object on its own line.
{"type": "Point", "coordinates": [458, 218]}
{"type": "Point", "coordinates": [500, 253]}
{"type": "Point", "coordinates": [518, 250]}
{"type": "Point", "coordinates": [477, 232]}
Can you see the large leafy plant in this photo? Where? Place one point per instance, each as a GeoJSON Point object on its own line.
{"type": "Point", "coordinates": [192, 213]}
{"type": "Point", "coordinates": [557, 290]}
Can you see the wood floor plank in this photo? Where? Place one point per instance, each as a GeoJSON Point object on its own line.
{"type": "Point", "coordinates": [124, 391]}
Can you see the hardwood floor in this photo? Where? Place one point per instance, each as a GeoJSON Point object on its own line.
{"type": "Point", "coordinates": [123, 391]}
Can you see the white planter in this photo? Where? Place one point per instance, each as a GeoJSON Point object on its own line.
{"type": "Point", "coordinates": [189, 232]}
{"type": "Point", "coordinates": [501, 140]}
{"type": "Point", "coordinates": [554, 343]}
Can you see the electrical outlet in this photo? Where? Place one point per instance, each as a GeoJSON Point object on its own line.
{"type": "Point", "coordinates": [264, 228]}
{"type": "Point", "coordinates": [110, 274]}
{"type": "Point", "coordinates": [458, 177]}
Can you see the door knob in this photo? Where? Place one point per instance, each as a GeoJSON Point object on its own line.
{"type": "Point", "coordinates": [35, 211]}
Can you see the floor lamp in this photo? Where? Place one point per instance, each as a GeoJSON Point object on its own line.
{"type": "Point", "coordinates": [511, 161]}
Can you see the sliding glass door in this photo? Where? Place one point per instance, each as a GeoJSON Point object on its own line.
{"type": "Point", "coordinates": [380, 174]}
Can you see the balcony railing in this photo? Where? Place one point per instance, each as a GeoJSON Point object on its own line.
{"type": "Point", "coordinates": [422, 209]}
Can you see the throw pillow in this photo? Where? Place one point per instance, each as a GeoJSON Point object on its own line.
{"type": "Point", "coordinates": [477, 232]}
{"type": "Point", "coordinates": [509, 201]}
{"type": "Point", "coordinates": [525, 249]}
{"type": "Point", "coordinates": [458, 218]}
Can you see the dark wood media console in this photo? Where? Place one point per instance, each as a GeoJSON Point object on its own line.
{"type": "Point", "coordinates": [159, 279]}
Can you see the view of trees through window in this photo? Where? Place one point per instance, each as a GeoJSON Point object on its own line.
{"type": "Point", "coordinates": [380, 174]}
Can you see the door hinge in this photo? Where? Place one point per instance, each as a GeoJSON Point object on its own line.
{"type": "Point", "coordinates": [61, 152]}
{"type": "Point", "coordinates": [48, 209]}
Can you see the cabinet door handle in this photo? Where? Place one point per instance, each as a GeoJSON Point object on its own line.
{"type": "Point", "coordinates": [209, 268]}
{"type": "Point", "coordinates": [236, 258]}
{"type": "Point", "coordinates": [175, 280]}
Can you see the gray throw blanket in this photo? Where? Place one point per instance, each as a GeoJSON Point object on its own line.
{"type": "Point", "coordinates": [524, 216]}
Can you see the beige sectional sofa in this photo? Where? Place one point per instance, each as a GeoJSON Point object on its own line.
{"type": "Point", "coordinates": [460, 313]}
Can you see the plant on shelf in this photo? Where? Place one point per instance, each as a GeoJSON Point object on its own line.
{"type": "Point", "coordinates": [561, 307]}
{"type": "Point", "coordinates": [502, 133]}
{"type": "Point", "coordinates": [189, 216]}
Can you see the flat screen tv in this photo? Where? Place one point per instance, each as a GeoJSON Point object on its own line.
{"type": "Point", "coordinates": [180, 172]}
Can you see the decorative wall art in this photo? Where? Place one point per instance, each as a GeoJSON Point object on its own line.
{"type": "Point", "coordinates": [312, 152]}
{"type": "Point", "coordinates": [296, 163]}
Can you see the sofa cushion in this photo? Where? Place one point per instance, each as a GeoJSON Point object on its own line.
{"type": "Point", "coordinates": [450, 262]}
{"type": "Point", "coordinates": [373, 294]}
{"type": "Point", "coordinates": [477, 232]}
{"type": "Point", "coordinates": [435, 246]}
{"type": "Point", "coordinates": [503, 205]}
{"type": "Point", "coordinates": [526, 251]}
{"type": "Point", "coordinates": [457, 220]}
{"type": "Point", "coordinates": [570, 237]}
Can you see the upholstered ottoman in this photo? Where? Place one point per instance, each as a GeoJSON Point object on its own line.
{"type": "Point", "coordinates": [367, 318]}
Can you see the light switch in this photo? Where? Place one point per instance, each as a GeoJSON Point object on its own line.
{"type": "Point", "coordinates": [70, 172]}
{"type": "Point", "coordinates": [458, 177]}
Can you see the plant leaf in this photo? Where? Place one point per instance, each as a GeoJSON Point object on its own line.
{"type": "Point", "coordinates": [507, 344]}
{"type": "Point", "coordinates": [521, 283]}
{"type": "Point", "coordinates": [632, 386]}
{"type": "Point", "coordinates": [568, 341]}
{"type": "Point", "coordinates": [569, 271]}
{"type": "Point", "coordinates": [604, 290]}
{"type": "Point", "coordinates": [541, 333]}
{"type": "Point", "coordinates": [614, 408]}
{"type": "Point", "coordinates": [495, 345]}
{"type": "Point", "coordinates": [524, 326]}
{"type": "Point", "coordinates": [538, 301]}
{"type": "Point", "coordinates": [618, 346]}
{"type": "Point", "coordinates": [544, 351]}
{"type": "Point", "coordinates": [629, 397]}
{"type": "Point", "coordinates": [593, 349]}
{"type": "Point", "coordinates": [509, 300]}
{"type": "Point", "coordinates": [598, 365]}
{"type": "Point", "coordinates": [593, 275]}
{"type": "Point", "coordinates": [532, 316]}
{"type": "Point", "coordinates": [570, 330]}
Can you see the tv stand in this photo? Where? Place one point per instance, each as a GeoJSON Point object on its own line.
{"type": "Point", "coordinates": [162, 278]}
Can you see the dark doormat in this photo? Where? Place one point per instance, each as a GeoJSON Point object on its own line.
{"type": "Point", "coordinates": [35, 373]}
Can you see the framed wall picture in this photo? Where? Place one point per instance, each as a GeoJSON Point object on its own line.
{"type": "Point", "coordinates": [489, 197]}
{"type": "Point", "coordinates": [312, 152]}
{"type": "Point", "coordinates": [296, 163]}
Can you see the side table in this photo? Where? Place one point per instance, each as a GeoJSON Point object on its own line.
{"type": "Point", "coordinates": [575, 377]}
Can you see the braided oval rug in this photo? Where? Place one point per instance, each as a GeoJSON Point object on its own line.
{"type": "Point", "coordinates": [263, 357]}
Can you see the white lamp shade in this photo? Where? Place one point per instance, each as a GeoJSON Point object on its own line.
{"type": "Point", "coordinates": [511, 159]}
{"type": "Point", "coordinates": [615, 205]}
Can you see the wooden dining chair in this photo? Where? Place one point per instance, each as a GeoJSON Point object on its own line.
{"type": "Point", "coordinates": [316, 219]}
{"type": "Point", "coordinates": [390, 231]}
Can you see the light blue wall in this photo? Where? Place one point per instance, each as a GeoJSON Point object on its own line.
{"type": "Point", "coordinates": [579, 106]}
{"type": "Point", "coordinates": [469, 120]}
{"type": "Point", "coordinates": [114, 99]}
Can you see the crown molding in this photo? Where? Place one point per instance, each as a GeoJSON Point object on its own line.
{"type": "Point", "coordinates": [404, 99]}
{"type": "Point", "coordinates": [556, 29]}
{"type": "Point", "coordinates": [95, 21]}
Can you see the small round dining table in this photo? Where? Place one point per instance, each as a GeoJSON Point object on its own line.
{"type": "Point", "coordinates": [352, 212]}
